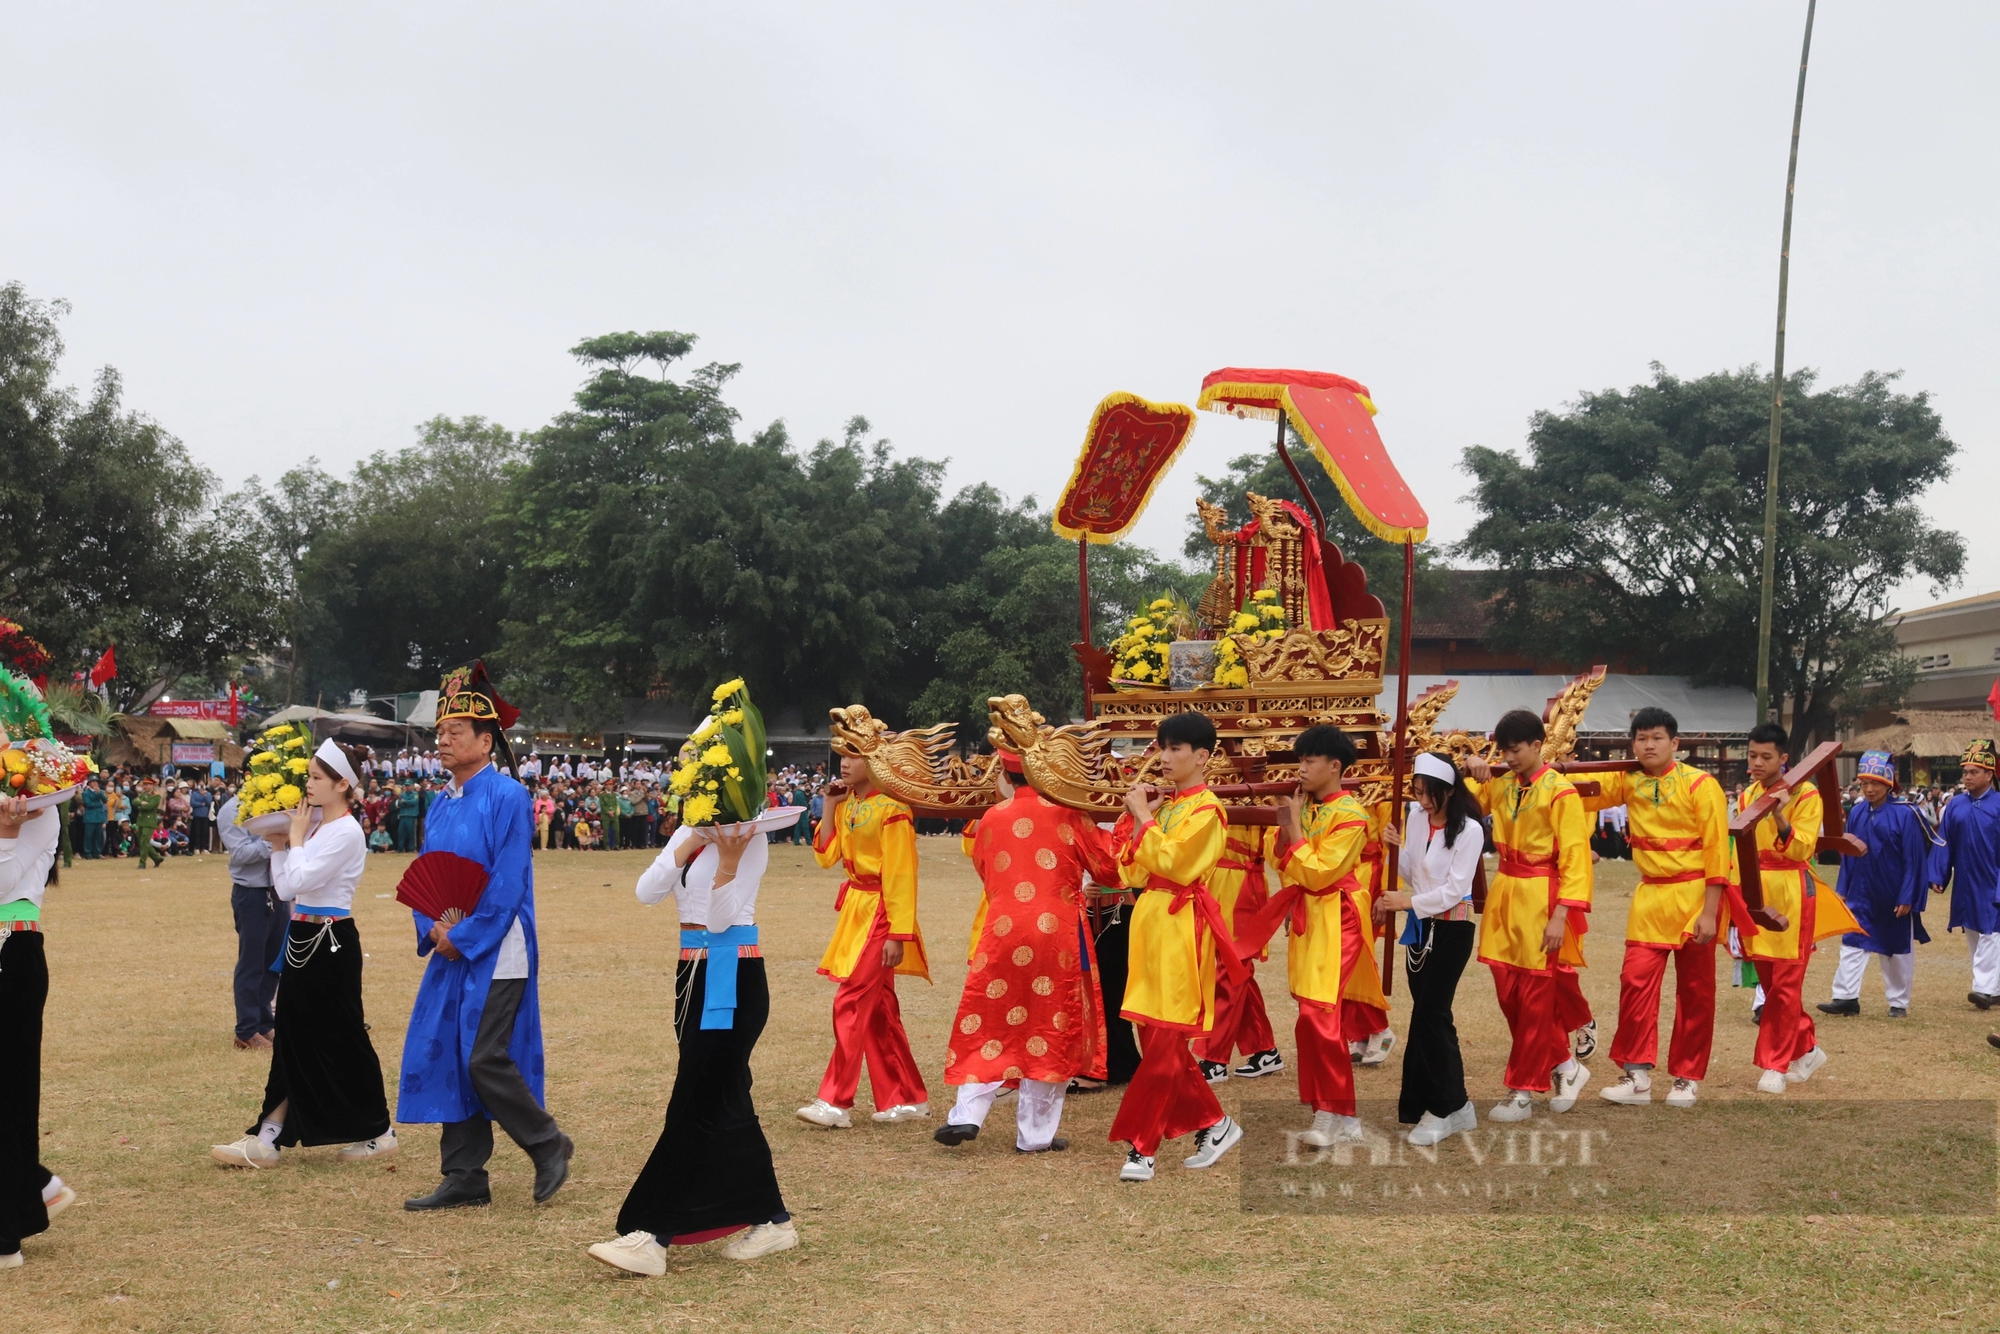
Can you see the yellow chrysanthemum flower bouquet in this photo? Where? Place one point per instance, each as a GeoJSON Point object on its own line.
{"type": "Point", "coordinates": [274, 780]}
{"type": "Point", "coordinates": [721, 778]}
{"type": "Point", "coordinates": [1262, 621]}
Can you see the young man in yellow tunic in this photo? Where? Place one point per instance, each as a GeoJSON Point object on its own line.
{"type": "Point", "coordinates": [876, 937]}
{"type": "Point", "coordinates": [1167, 848]}
{"type": "Point", "coordinates": [1364, 1009]}
{"type": "Point", "coordinates": [1536, 910]}
{"type": "Point", "coordinates": [1241, 888]}
{"type": "Point", "coordinates": [1788, 1050]}
{"type": "Point", "coordinates": [1322, 846]}
{"type": "Point", "coordinates": [1677, 822]}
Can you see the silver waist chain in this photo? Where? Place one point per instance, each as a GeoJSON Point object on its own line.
{"type": "Point", "coordinates": [293, 956]}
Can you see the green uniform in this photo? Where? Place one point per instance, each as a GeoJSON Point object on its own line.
{"type": "Point", "coordinates": [145, 819]}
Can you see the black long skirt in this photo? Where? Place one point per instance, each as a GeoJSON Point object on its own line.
{"type": "Point", "coordinates": [1114, 947]}
{"type": "Point", "coordinates": [24, 991]}
{"type": "Point", "coordinates": [322, 1062]}
{"type": "Point", "coordinates": [711, 1169]}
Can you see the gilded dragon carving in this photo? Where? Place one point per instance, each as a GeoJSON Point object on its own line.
{"type": "Point", "coordinates": [1350, 651]}
{"type": "Point", "coordinates": [921, 768]}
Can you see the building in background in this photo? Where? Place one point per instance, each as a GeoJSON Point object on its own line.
{"type": "Point", "coordinates": [1956, 647]}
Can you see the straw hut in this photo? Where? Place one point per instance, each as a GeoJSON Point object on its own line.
{"type": "Point", "coordinates": [1926, 742]}
{"type": "Point", "coordinates": [146, 742]}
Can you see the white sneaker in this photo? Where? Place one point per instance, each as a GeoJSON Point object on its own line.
{"type": "Point", "coordinates": [246, 1152]}
{"type": "Point", "coordinates": [1803, 1069]}
{"type": "Point", "coordinates": [1567, 1086]}
{"type": "Point", "coordinates": [1515, 1108]}
{"type": "Point", "coordinates": [1260, 1064]}
{"type": "Point", "coordinates": [1138, 1166]}
{"type": "Point", "coordinates": [1429, 1129]}
{"type": "Point", "coordinates": [1634, 1090]}
{"type": "Point", "coordinates": [823, 1113]}
{"type": "Point", "coordinates": [1682, 1094]}
{"type": "Point", "coordinates": [14, 1261]}
{"type": "Point", "coordinates": [1584, 1041]}
{"type": "Point", "coordinates": [906, 1111]}
{"type": "Point", "coordinates": [1330, 1128]}
{"type": "Point", "coordinates": [763, 1239]}
{"type": "Point", "coordinates": [635, 1253]}
{"type": "Point", "coordinates": [1215, 1072]}
{"type": "Point", "coordinates": [1463, 1121]}
{"type": "Point", "coordinates": [64, 1198]}
{"type": "Point", "coordinates": [1211, 1142]}
{"type": "Point", "coordinates": [381, 1146]}
{"type": "Point", "coordinates": [1771, 1081]}
{"type": "Point", "coordinates": [1376, 1050]}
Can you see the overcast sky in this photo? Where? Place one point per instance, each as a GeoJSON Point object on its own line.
{"type": "Point", "coordinates": [301, 233]}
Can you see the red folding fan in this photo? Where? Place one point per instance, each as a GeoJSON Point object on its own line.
{"type": "Point", "coordinates": [443, 886]}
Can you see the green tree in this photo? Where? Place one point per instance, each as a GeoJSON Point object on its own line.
{"type": "Point", "coordinates": [1632, 531]}
{"type": "Point", "coordinates": [109, 532]}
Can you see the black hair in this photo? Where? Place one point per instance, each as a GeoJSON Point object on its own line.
{"type": "Point", "coordinates": [1328, 742]}
{"type": "Point", "coordinates": [1187, 729]}
{"type": "Point", "coordinates": [1455, 799]}
{"type": "Point", "coordinates": [1769, 734]}
{"type": "Point", "coordinates": [1516, 726]}
{"type": "Point", "coordinates": [1650, 717]}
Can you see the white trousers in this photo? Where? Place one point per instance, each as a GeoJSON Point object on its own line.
{"type": "Point", "coordinates": [1985, 962]}
{"type": "Point", "coordinates": [1898, 972]}
{"type": "Point", "coordinates": [1037, 1111]}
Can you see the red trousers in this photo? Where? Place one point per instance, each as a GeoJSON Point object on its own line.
{"type": "Point", "coordinates": [1167, 1097]}
{"type": "Point", "coordinates": [1786, 1032]}
{"type": "Point", "coordinates": [1638, 1040]}
{"type": "Point", "coordinates": [868, 1025]}
{"type": "Point", "coordinates": [1360, 1021]}
{"type": "Point", "coordinates": [1241, 1022]}
{"type": "Point", "coordinates": [1541, 1043]}
{"type": "Point", "coordinates": [1572, 1010]}
{"type": "Point", "coordinates": [1326, 1071]}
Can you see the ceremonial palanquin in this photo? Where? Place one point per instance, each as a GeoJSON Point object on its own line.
{"type": "Point", "coordinates": [1261, 686]}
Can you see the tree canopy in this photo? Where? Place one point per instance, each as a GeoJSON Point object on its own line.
{"type": "Point", "coordinates": [1633, 530]}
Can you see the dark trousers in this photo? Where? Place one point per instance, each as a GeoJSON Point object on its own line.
{"type": "Point", "coordinates": [24, 991]}
{"type": "Point", "coordinates": [1114, 935]}
{"type": "Point", "coordinates": [142, 840]}
{"type": "Point", "coordinates": [406, 834]}
{"type": "Point", "coordinates": [1433, 1070]}
{"type": "Point", "coordinates": [261, 922]}
{"type": "Point", "coordinates": [610, 833]}
{"type": "Point", "coordinates": [198, 827]}
{"type": "Point", "coordinates": [93, 839]}
{"type": "Point", "coordinates": [464, 1146]}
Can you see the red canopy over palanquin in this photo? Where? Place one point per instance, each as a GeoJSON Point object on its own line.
{"type": "Point", "coordinates": [1334, 415]}
{"type": "Point", "coordinates": [1130, 445]}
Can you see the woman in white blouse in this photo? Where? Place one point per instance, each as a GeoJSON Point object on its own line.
{"type": "Point", "coordinates": [30, 1194]}
{"type": "Point", "coordinates": [1442, 840]}
{"type": "Point", "coordinates": [325, 1085]}
{"type": "Point", "coordinates": [710, 1174]}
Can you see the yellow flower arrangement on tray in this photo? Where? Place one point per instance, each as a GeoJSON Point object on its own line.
{"type": "Point", "coordinates": [1140, 653]}
{"type": "Point", "coordinates": [1262, 621]}
{"type": "Point", "coordinates": [276, 777]}
{"type": "Point", "coordinates": [721, 778]}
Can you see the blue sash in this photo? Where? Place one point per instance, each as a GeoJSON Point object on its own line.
{"type": "Point", "coordinates": [718, 1004]}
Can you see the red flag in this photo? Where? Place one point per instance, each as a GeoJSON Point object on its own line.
{"type": "Point", "coordinates": [232, 704]}
{"type": "Point", "coordinates": [106, 668]}
{"type": "Point", "coordinates": [1993, 701]}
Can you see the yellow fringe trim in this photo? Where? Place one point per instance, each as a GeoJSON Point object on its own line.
{"type": "Point", "coordinates": [1109, 402]}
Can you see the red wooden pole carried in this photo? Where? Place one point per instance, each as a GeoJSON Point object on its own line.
{"type": "Point", "coordinates": [1399, 759]}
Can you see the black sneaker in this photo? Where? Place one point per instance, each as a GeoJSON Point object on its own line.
{"type": "Point", "coordinates": [1981, 1000]}
{"type": "Point", "coordinates": [1261, 1063]}
{"type": "Point", "coordinates": [1840, 1007]}
{"type": "Point", "coordinates": [1757, 1015]}
{"type": "Point", "coordinates": [953, 1136]}
{"type": "Point", "coordinates": [1056, 1145]}
{"type": "Point", "coordinates": [1899, 1012]}
{"type": "Point", "coordinates": [1214, 1071]}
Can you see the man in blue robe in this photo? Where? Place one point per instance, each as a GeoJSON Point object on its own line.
{"type": "Point", "coordinates": [1886, 891]}
{"type": "Point", "coordinates": [1966, 860]}
{"type": "Point", "coordinates": [474, 1050]}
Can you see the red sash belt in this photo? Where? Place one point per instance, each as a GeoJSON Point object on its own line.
{"type": "Point", "coordinates": [867, 884]}
{"type": "Point", "coordinates": [1515, 864]}
{"type": "Point", "coordinates": [1289, 902]}
{"type": "Point", "coordinates": [1208, 916]}
{"type": "Point", "coordinates": [1775, 861]}
{"type": "Point", "coordinates": [1678, 878]}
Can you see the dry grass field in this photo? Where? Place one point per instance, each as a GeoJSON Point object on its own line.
{"type": "Point", "coordinates": [898, 1233]}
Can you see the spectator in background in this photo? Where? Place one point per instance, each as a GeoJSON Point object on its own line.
{"type": "Point", "coordinates": [93, 802]}
{"type": "Point", "coordinates": [405, 810]}
{"type": "Point", "coordinates": [199, 824]}
{"type": "Point", "coordinates": [260, 929]}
